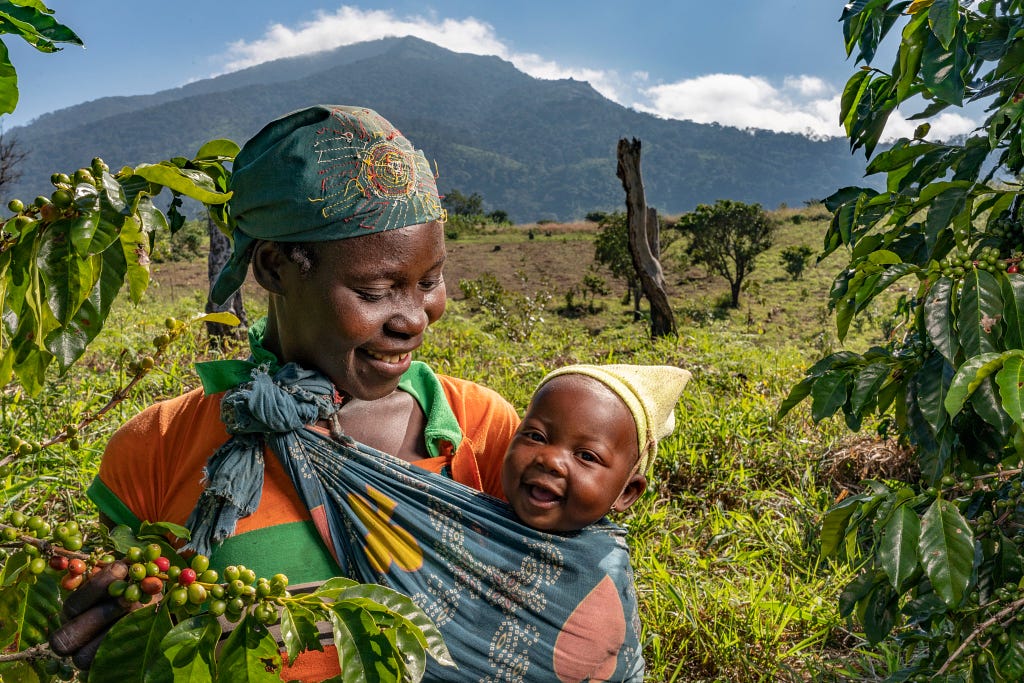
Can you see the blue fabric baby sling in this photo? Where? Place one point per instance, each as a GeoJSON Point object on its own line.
{"type": "Point", "coordinates": [513, 603]}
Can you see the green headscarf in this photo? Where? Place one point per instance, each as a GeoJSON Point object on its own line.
{"type": "Point", "coordinates": [326, 172]}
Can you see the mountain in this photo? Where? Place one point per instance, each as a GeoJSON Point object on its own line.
{"type": "Point", "coordinates": [534, 148]}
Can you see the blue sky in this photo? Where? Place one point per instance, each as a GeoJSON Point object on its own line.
{"type": "Point", "coordinates": [774, 64]}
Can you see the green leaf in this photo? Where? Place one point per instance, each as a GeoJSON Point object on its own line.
{"type": "Point", "coordinates": [83, 229]}
{"type": "Point", "coordinates": [969, 377]}
{"type": "Point", "coordinates": [250, 654]}
{"type": "Point", "coordinates": [135, 245]}
{"type": "Point", "coordinates": [19, 671]}
{"type": "Point", "coordinates": [987, 404]}
{"type": "Point", "coordinates": [946, 550]}
{"type": "Point", "coordinates": [402, 605]}
{"type": "Point", "coordinates": [68, 276]}
{"type": "Point", "coordinates": [943, 16]}
{"type": "Point", "coordinates": [880, 611]}
{"type": "Point", "coordinates": [67, 344]}
{"type": "Point", "coordinates": [938, 318]}
{"type": "Point", "coordinates": [866, 387]}
{"type": "Point", "coordinates": [13, 601]}
{"type": "Point", "coordinates": [854, 90]}
{"type": "Point", "coordinates": [131, 647]}
{"type": "Point", "coordinates": [797, 394]}
{"type": "Point", "coordinates": [829, 394]}
{"type": "Point", "coordinates": [1012, 286]}
{"type": "Point", "coordinates": [298, 630]}
{"type": "Point", "coordinates": [8, 82]}
{"type": "Point", "coordinates": [1011, 388]}
{"type": "Point", "coordinates": [363, 652]}
{"type": "Point", "coordinates": [188, 652]}
{"type": "Point", "coordinates": [897, 549]}
{"type": "Point", "coordinates": [931, 391]}
{"type": "Point", "coordinates": [980, 311]}
{"type": "Point", "coordinates": [220, 148]}
{"type": "Point", "coordinates": [834, 525]}
{"type": "Point", "coordinates": [194, 184]}
{"type": "Point", "coordinates": [158, 530]}
{"type": "Point", "coordinates": [942, 69]}
{"type": "Point", "coordinates": [152, 219]}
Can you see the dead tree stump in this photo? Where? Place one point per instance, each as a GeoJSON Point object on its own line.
{"type": "Point", "coordinates": [643, 239]}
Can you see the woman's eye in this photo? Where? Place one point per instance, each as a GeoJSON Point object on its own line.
{"type": "Point", "coordinates": [433, 283]}
{"type": "Point", "coordinates": [371, 295]}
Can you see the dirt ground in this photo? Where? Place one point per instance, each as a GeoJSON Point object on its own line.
{"type": "Point", "coordinates": [560, 261]}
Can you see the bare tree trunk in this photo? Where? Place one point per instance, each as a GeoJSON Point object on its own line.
{"type": "Point", "coordinates": [643, 233]}
{"type": "Point", "coordinates": [220, 251]}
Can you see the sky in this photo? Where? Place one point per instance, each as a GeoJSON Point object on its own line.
{"type": "Point", "coordinates": [771, 64]}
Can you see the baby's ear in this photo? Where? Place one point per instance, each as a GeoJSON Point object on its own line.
{"type": "Point", "coordinates": [634, 488]}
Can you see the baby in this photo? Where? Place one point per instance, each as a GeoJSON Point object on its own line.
{"type": "Point", "coordinates": [587, 441]}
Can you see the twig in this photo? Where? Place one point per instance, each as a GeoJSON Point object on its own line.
{"type": "Point", "coordinates": [1010, 610]}
{"type": "Point", "coordinates": [34, 652]}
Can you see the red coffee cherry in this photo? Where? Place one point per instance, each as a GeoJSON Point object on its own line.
{"type": "Point", "coordinates": [187, 576]}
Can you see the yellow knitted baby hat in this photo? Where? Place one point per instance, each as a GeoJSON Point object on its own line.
{"type": "Point", "coordinates": [649, 391]}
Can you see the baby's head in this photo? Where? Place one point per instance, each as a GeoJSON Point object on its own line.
{"type": "Point", "coordinates": [587, 441]}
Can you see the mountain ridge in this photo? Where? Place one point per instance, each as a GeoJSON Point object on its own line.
{"type": "Point", "coordinates": [537, 149]}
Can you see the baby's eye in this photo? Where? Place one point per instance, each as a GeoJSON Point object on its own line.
{"type": "Point", "coordinates": [587, 456]}
{"type": "Point", "coordinates": [533, 435]}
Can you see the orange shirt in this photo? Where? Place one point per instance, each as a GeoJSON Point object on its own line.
{"type": "Point", "coordinates": [152, 470]}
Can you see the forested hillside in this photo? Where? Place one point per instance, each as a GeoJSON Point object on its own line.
{"type": "Point", "coordinates": [534, 148]}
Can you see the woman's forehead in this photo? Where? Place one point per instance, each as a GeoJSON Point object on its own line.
{"type": "Point", "coordinates": [408, 249]}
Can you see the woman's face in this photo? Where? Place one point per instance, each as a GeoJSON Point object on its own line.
{"type": "Point", "coordinates": [362, 311]}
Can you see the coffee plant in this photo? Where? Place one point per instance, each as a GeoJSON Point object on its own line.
{"type": "Point", "coordinates": [941, 557]}
{"type": "Point", "coordinates": [174, 609]}
{"type": "Point", "coordinates": [64, 257]}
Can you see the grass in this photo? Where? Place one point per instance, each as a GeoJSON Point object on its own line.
{"type": "Point", "coordinates": [724, 543]}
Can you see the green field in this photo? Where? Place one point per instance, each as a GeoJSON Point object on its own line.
{"type": "Point", "coordinates": [724, 542]}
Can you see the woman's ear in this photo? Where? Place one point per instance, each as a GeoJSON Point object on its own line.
{"type": "Point", "coordinates": [633, 489]}
{"type": "Point", "coordinates": [268, 264]}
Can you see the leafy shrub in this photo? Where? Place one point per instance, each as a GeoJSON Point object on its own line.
{"type": "Point", "coordinates": [513, 314]}
{"type": "Point", "coordinates": [794, 260]}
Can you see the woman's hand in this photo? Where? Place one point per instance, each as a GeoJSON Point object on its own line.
{"type": "Point", "coordinates": [90, 612]}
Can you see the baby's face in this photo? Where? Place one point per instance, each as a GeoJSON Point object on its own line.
{"type": "Point", "coordinates": [572, 457]}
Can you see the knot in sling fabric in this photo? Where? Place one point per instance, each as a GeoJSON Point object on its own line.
{"type": "Point", "coordinates": [513, 603]}
{"type": "Point", "coordinates": [263, 408]}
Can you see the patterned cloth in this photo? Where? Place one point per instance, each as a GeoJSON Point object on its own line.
{"type": "Point", "coordinates": [513, 603]}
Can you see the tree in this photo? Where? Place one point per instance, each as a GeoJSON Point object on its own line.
{"type": "Point", "coordinates": [727, 238]}
{"type": "Point", "coordinates": [611, 249]}
{"type": "Point", "coordinates": [460, 205]}
{"type": "Point", "coordinates": [11, 156]}
{"type": "Point", "coordinates": [941, 555]}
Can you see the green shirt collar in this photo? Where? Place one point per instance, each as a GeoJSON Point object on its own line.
{"type": "Point", "coordinates": [419, 381]}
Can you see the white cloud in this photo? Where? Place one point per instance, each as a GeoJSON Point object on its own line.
{"type": "Point", "coordinates": [802, 104]}
{"type": "Point", "coordinates": [350, 25]}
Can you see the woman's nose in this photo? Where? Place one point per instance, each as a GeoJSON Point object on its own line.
{"type": "Point", "coordinates": [410, 319]}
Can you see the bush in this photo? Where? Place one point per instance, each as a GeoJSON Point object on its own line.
{"type": "Point", "coordinates": [515, 315]}
{"type": "Point", "coordinates": [794, 260]}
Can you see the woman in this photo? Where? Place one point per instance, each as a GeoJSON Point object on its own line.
{"type": "Point", "coordinates": [340, 219]}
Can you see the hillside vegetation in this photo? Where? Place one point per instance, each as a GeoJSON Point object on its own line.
{"type": "Point", "coordinates": [724, 543]}
{"type": "Point", "coordinates": [539, 149]}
